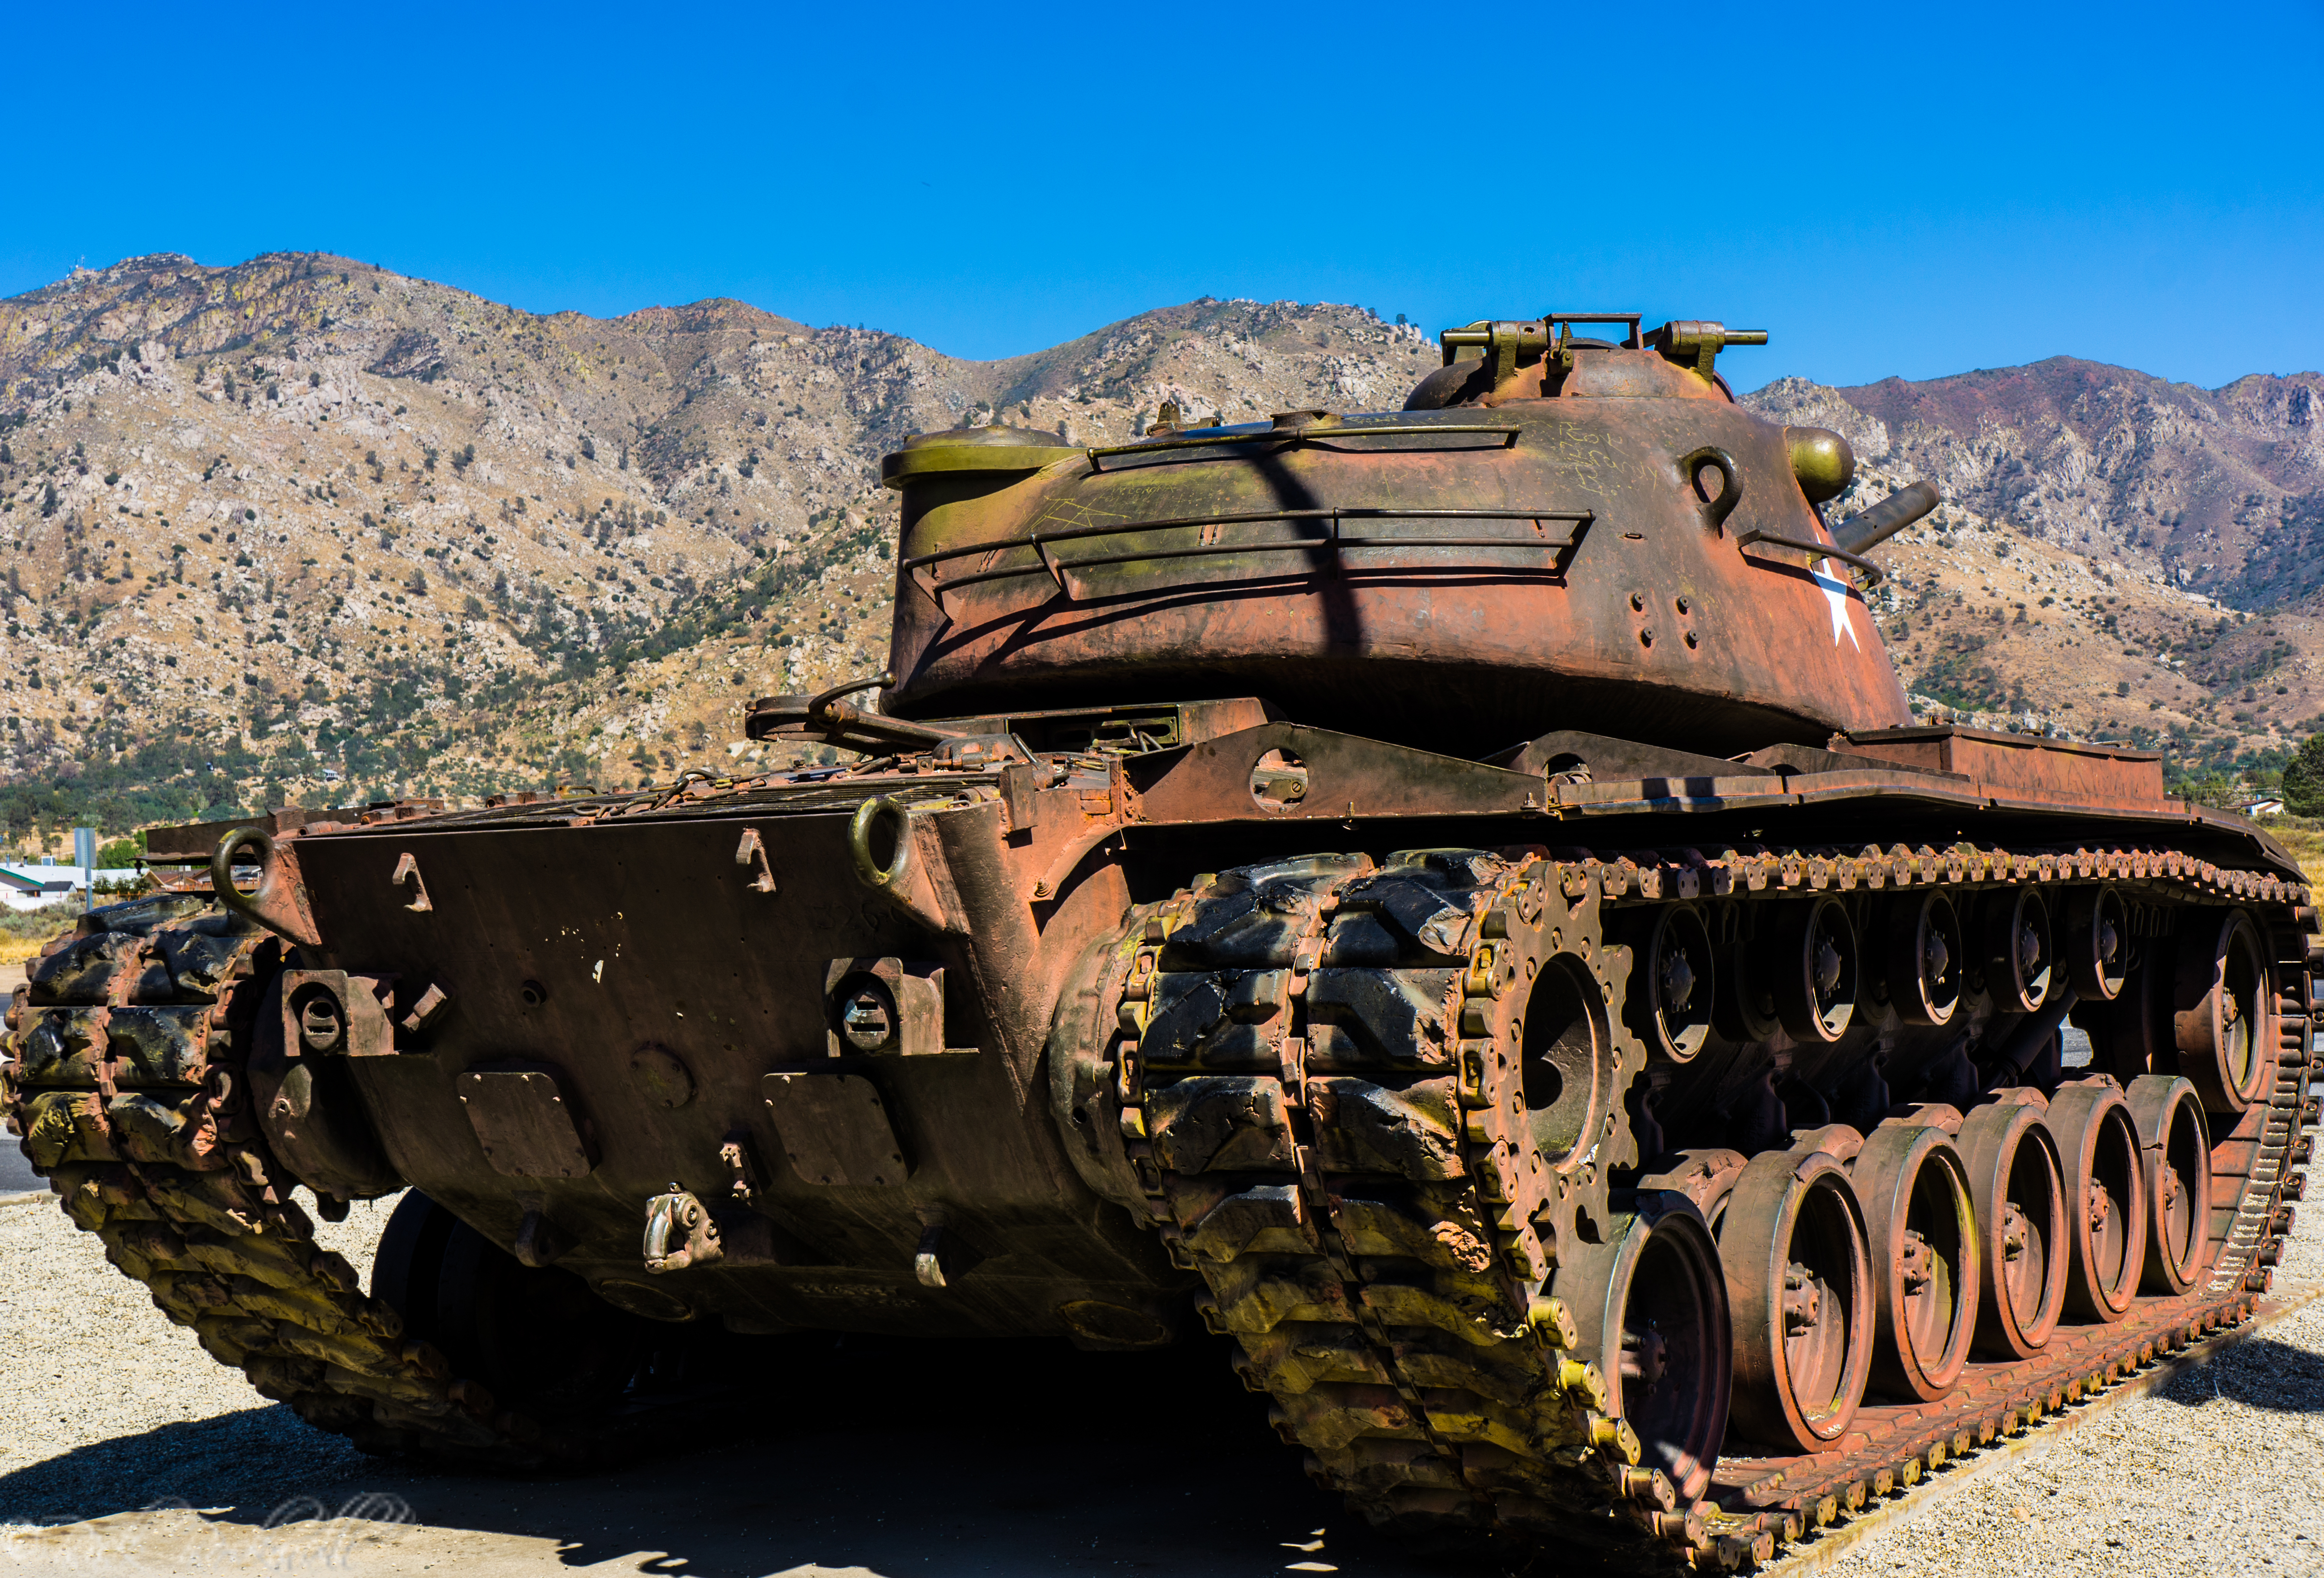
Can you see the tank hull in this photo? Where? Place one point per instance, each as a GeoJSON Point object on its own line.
{"type": "Point", "coordinates": [660, 941]}
{"type": "Point", "coordinates": [622, 1044]}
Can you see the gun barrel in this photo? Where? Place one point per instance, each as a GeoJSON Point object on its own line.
{"type": "Point", "coordinates": [1884, 519]}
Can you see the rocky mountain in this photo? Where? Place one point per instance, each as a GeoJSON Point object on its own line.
{"type": "Point", "coordinates": [2129, 557]}
{"type": "Point", "coordinates": [306, 529]}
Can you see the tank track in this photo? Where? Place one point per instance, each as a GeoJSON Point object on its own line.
{"type": "Point", "coordinates": [124, 1080]}
{"type": "Point", "coordinates": [1309, 1085]}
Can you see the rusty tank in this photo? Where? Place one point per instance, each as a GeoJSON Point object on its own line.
{"type": "Point", "coordinates": [1454, 900]}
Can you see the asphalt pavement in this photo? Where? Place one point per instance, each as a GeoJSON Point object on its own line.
{"type": "Point", "coordinates": [16, 1174]}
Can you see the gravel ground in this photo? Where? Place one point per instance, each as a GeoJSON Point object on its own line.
{"type": "Point", "coordinates": [124, 1449]}
{"type": "Point", "coordinates": [2220, 1471]}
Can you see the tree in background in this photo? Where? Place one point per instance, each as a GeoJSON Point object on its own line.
{"type": "Point", "coordinates": [2209, 788]}
{"type": "Point", "coordinates": [2303, 778]}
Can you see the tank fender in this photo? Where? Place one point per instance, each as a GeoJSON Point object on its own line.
{"type": "Point", "coordinates": [1011, 965]}
{"type": "Point", "coordinates": [1241, 777]}
{"type": "Point", "coordinates": [1603, 759]}
{"type": "Point", "coordinates": [307, 1099]}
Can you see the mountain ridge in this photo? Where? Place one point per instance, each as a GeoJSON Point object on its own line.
{"type": "Point", "coordinates": [304, 528]}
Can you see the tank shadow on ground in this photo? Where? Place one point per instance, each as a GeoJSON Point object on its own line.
{"type": "Point", "coordinates": [227, 1459]}
{"type": "Point", "coordinates": [922, 1458]}
{"type": "Point", "coordinates": [2261, 1373]}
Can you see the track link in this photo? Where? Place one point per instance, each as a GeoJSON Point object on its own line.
{"type": "Point", "coordinates": [124, 1082]}
{"type": "Point", "coordinates": [1317, 1077]}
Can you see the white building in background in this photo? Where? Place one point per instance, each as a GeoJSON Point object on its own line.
{"type": "Point", "coordinates": [24, 886]}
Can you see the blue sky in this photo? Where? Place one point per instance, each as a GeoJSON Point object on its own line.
{"type": "Point", "coordinates": [1888, 189]}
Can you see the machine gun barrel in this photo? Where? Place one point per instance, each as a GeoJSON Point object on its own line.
{"type": "Point", "coordinates": [1884, 519]}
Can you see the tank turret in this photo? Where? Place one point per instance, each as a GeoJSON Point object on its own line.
{"type": "Point", "coordinates": [1555, 528]}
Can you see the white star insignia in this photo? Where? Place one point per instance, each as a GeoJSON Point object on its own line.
{"type": "Point", "coordinates": [1835, 592]}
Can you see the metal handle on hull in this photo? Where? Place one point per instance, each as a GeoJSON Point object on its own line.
{"type": "Point", "coordinates": [280, 903]}
{"type": "Point", "coordinates": [921, 885]}
{"type": "Point", "coordinates": [1207, 438]}
{"type": "Point", "coordinates": [1873, 574]}
{"type": "Point", "coordinates": [1721, 504]}
{"type": "Point", "coordinates": [1059, 569]}
{"type": "Point", "coordinates": [868, 869]}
